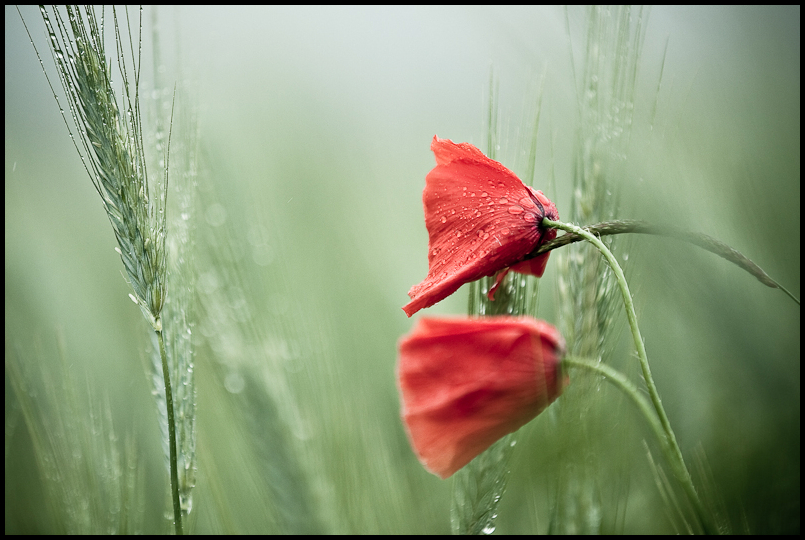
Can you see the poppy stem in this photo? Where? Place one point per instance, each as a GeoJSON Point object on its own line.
{"type": "Point", "coordinates": [704, 241]}
{"type": "Point", "coordinates": [620, 380]}
{"type": "Point", "coordinates": [670, 446]}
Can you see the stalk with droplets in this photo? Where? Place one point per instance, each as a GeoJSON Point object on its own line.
{"type": "Point", "coordinates": [669, 446]}
{"type": "Point", "coordinates": [110, 144]}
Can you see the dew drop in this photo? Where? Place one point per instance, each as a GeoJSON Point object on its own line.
{"type": "Point", "coordinates": [234, 383]}
{"type": "Point", "coordinates": [529, 217]}
{"type": "Point", "coordinates": [444, 219]}
{"type": "Point", "coordinates": [515, 210]}
{"type": "Point", "coordinates": [527, 202]}
{"type": "Point", "coordinates": [484, 194]}
{"type": "Point", "coordinates": [458, 234]}
{"type": "Point", "coordinates": [504, 200]}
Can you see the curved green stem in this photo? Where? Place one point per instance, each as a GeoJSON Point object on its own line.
{"type": "Point", "coordinates": [620, 380]}
{"type": "Point", "coordinates": [704, 241]}
{"type": "Point", "coordinates": [671, 447]}
{"type": "Point", "coordinates": [177, 507]}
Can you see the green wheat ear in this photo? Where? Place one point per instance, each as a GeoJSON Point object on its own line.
{"type": "Point", "coordinates": [110, 144]}
{"type": "Point", "coordinates": [113, 152]}
{"type": "Point", "coordinates": [605, 71]}
{"type": "Point", "coordinates": [94, 485]}
{"type": "Point", "coordinates": [478, 488]}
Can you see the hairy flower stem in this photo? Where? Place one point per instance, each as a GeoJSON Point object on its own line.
{"type": "Point", "coordinates": [177, 507]}
{"type": "Point", "coordinates": [670, 447]}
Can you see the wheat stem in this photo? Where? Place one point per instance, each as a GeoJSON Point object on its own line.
{"type": "Point", "coordinates": [177, 507]}
{"type": "Point", "coordinates": [671, 447]}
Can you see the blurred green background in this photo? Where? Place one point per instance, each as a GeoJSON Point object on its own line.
{"type": "Point", "coordinates": [315, 126]}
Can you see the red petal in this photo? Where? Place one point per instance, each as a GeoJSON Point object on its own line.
{"type": "Point", "coordinates": [498, 280]}
{"type": "Point", "coordinates": [480, 218]}
{"type": "Point", "coordinates": [467, 382]}
{"type": "Point", "coordinates": [536, 266]}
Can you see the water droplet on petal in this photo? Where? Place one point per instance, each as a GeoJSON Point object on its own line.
{"type": "Point", "coordinates": [444, 219]}
{"type": "Point", "coordinates": [484, 194]}
{"type": "Point", "coordinates": [504, 200]}
{"type": "Point", "coordinates": [529, 217]}
{"type": "Point", "coordinates": [515, 210]}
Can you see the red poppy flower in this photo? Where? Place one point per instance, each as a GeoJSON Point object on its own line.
{"type": "Point", "coordinates": [465, 383]}
{"type": "Point", "coordinates": [481, 219]}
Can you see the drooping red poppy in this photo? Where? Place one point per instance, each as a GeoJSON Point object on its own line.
{"type": "Point", "coordinates": [465, 383]}
{"type": "Point", "coordinates": [481, 219]}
